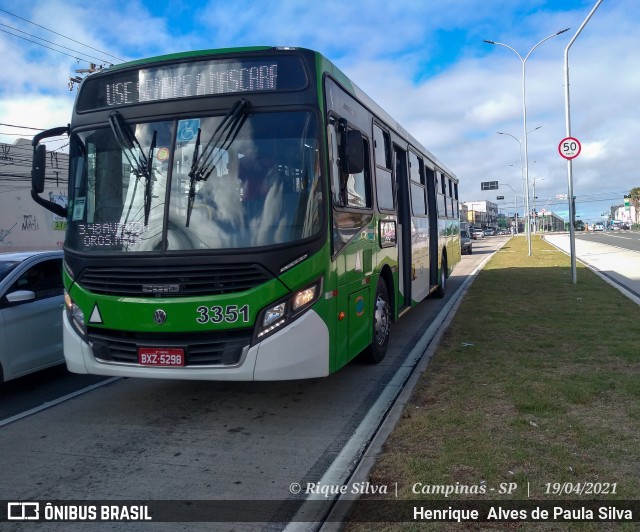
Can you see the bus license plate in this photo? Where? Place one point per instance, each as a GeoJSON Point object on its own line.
{"type": "Point", "coordinates": [157, 356]}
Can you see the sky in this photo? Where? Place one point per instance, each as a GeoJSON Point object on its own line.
{"type": "Point", "coordinates": [423, 61]}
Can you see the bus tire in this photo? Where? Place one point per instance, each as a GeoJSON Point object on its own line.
{"type": "Point", "coordinates": [442, 279]}
{"type": "Point", "coordinates": [381, 322]}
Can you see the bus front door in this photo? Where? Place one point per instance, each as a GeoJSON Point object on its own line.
{"type": "Point", "coordinates": [404, 222]}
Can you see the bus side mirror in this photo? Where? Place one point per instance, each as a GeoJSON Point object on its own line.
{"type": "Point", "coordinates": [353, 151]}
{"type": "Point", "coordinates": [38, 167]}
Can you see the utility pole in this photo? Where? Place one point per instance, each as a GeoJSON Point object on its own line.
{"type": "Point", "coordinates": [78, 79]}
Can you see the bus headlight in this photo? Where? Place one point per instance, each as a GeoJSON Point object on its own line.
{"type": "Point", "coordinates": [75, 315]}
{"type": "Point", "coordinates": [302, 298]}
{"type": "Point", "coordinates": [289, 309]}
{"type": "Point", "coordinates": [274, 314]}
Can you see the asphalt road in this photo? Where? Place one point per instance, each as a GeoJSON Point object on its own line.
{"type": "Point", "coordinates": [615, 255]}
{"type": "Point", "coordinates": [625, 239]}
{"type": "Point", "coordinates": [47, 386]}
{"type": "Point", "coordinates": [140, 439]}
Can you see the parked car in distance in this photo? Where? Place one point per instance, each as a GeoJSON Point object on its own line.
{"type": "Point", "coordinates": [477, 233]}
{"type": "Point", "coordinates": [465, 243]}
{"type": "Point", "coordinates": [489, 232]}
{"type": "Point", "coordinates": [31, 303]}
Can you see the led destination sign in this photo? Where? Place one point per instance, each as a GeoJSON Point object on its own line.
{"type": "Point", "coordinates": [164, 85]}
{"type": "Point", "coordinates": [191, 80]}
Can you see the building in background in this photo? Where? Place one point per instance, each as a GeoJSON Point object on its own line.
{"type": "Point", "coordinates": [547, 222]}
{"type": "Point", "coordinates": [25, 225]}
{"type": "Point", "coordinates": [625, 213]}
{"type": "Point", "coordinates": [483, 214]}
{"type": "Point", "coordinates": [464, 213]}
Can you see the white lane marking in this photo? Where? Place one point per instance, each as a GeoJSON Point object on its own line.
{"type": "Point", "coordinates": [57, 401]}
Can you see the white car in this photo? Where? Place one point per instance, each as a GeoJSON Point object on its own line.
{"type": "Point", "coordinates": [31, 303]}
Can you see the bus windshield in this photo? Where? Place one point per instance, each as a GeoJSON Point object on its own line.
{"type": "Point", "coordinates": [242, 180]}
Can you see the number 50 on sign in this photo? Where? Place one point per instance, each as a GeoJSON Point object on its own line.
{"type": "Point", "coordinates": [569, 148]}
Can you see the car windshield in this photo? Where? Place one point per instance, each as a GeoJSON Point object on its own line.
{"type": "Point", "coordinates": [6, 267]}
{"type": "Point", "coordinates": [213, 182]}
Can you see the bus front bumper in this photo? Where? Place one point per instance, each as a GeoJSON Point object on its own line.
{"type": "Point", "coordinates": [286, 355]}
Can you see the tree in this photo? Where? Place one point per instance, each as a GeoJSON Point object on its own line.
{"type": "Point", "coordinates": [634, 196]}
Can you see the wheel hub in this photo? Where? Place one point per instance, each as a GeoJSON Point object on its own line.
{"type": "Point", "coordinates": [381, 317]}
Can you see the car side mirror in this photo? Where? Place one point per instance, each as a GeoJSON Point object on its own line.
{"type": "Point", "coordinates": [20, 296]}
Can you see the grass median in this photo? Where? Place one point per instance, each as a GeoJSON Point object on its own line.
{"type": "Point", "coordinates": [536, 382]}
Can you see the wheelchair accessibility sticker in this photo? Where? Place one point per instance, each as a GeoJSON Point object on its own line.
{"type": "Point", "coordinates": [188, 130]}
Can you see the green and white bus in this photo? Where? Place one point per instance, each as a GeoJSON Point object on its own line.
{"type": "Point", "coordinates": [242, 214]}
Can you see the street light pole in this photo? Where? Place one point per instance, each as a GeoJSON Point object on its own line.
{"type": "Point", "coordinates": [535, 221]}
{"type": "Point", "coordinates": [521, 173]}
{"type": "Point", "coordinates": [524, 119]}
{"type": "Point", "coordinates": [515, 197]}
{"type": "Point", "coordinates": [572, 208]}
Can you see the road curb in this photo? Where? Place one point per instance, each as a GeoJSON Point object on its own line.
{"type": "Point", "coordinates": [334, 521]}
{"type": "Point", "coordinates": [627, 292]}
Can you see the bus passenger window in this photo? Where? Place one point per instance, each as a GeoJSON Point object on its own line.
{"type": "Point", "coordinates": [416, 169]}
{"type": "Point", "coordinates": [382, 147]}
{"type": "Point", "coordinates": [359, 185]}
{"type": "Point", "coordinates": [384, 188]}
{"type": "Point", "coordinates": [384, 177]}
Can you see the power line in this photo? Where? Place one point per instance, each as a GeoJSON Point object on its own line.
{"type": "Point", "coordinates": [61, 35]}
{"type": "Point", "coordinates": [50, 42]}
{"type": "Point", "coordinates": [28, 146]}
{"type": "Point", "coordinates": [22, 127]}
{"type": "Point", "coordinates": [40, 44]}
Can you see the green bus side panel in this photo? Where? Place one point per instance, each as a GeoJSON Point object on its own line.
{"type": "Point", "coordinates": [359, 320]}
{"type": "Point", "coordinates": [358, 267]}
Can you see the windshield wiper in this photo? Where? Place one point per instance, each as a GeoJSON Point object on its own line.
{"type": "Point", "coordinates": [147, 189]}
{"type": "Point", "coordinates": [193, 177]}
{"type": "Point", "coordinates": [203, 164]}
{"type": "Point", "coordinates": [141, 166]}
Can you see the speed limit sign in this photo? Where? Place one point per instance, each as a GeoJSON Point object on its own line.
{"type": "Point", "coordinates": [569, 148]}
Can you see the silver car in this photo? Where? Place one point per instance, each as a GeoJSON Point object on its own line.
{"type": "Point", "coordinates": [31, 303]}
{"type": "Point", "coordinates": [466, 246]}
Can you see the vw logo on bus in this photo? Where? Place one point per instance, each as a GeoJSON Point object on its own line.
{"type": "Point", "coordinates": [159, 316]}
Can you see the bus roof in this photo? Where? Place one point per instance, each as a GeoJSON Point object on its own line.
{"type": "Point", "coordinates": [187, 55]}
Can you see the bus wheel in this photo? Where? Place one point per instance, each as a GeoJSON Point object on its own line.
{"type": "Point", "coordinates": [381, 325]}
{"type": "Point", "coordinates": [442, 279]}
